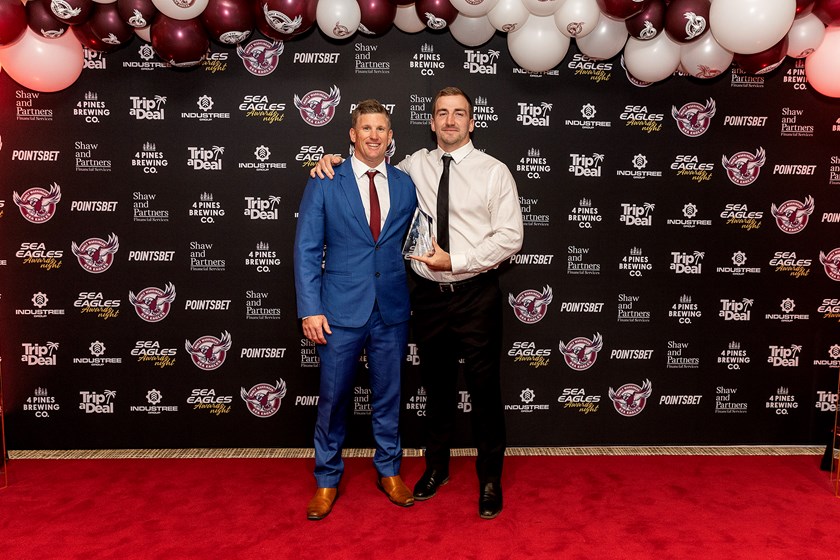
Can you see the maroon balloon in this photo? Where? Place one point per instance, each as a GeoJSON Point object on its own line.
{"type": "Point", "coordinates": [377, 16]}
{"type": "Point", "coordinates": [687, 20]}
{"type": "Point", "coordinates": [283, 19]}
{"type": "Point", "coordinates": [804, 7]}
{"type": "Point", "coordinates": [437, 14]}
{"type": "Point", "coordinates": [12, 21]}
{"type": "Point", "coordinates": [620, 9]}
{"type": "Point", "coordinates": [828, 11]}
{"type": "Point", "coordinates": [42, 21]}
{"type": "Point", "coordinates": [648, 23]}
{"type": "Point", "coordinates": [73, 12]}
{"type": "Point", "coordinates": [181, 42]}
{"type": "Point", "coordinates": [88, 38]}
{"type": "Point", "coordinates": [137, 13]}
{"type": "Point", "coordinates": [764, 61]}
{"type": "Point", "coordinates": [107, 23]}
{"type": "Point", "coordinates": [228, 21]}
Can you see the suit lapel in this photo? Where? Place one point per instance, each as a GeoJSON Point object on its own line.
{"type": "Point", "coordinates": [395, 192]}
{"type": "Point", "coordinates": [350, 187]}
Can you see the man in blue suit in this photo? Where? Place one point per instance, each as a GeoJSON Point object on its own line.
{"type": "Point", "coordinates": [352, 294]}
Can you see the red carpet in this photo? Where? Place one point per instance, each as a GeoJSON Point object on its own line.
{"type": "Point", "coordinates": [588, 507]}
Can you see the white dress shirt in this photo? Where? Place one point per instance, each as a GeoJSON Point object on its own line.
{"type": "Point", "coordinates": [360, 170]}
{"type": "Point", "coordinates": [485, 218]}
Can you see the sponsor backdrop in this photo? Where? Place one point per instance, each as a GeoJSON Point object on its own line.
{"type": "Point", "coordinates": [678, 283]}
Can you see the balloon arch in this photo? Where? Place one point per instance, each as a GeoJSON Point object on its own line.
{"type": "Point", "coordinates": [41, 40]}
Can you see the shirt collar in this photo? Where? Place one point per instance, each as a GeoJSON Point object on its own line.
{"type": "Point", "coordinates": [458, 154]}
{"type": "Point", "coordinates": [360, 168]}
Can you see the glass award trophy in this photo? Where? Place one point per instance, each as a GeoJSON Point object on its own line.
{"type": "Point", "coordinates": [418, 242]}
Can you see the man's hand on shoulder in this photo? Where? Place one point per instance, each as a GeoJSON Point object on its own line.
{"type": "Point", "coordinates": [324, 167]}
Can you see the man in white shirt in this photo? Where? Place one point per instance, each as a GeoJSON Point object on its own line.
{"type": "Point", "coordinates": [456, 302]}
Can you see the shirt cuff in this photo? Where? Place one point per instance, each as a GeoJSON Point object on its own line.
{"type": "Point", "coordinates": [459, 263]}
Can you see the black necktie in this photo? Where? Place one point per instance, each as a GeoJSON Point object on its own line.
{"type": "Point", "coordinates": [443, 205]}
{"type": "Point", "coordinates": [375, 215]}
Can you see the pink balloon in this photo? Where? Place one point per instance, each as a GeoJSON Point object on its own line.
{"type": "Point", "coordinates": [764, 61]}
{"type": "Point", "coordinates": [42, 20]}
{"type": "Point", "coordinates": [437, 14]}
{"type": "Point", "coordinates": [137, 13]}
{"type": "Point", "coordinates": [42, 64]}
{"type": "Point", "coordinates": [180, 42]}
{"type": "Point", "coordinates": [228, 21]}
{"type": "Point", "coordinates": [822, 67]}
{"type": "Point", "coordinates": [73, 12]}
{"type": "Point", "coordinates": [12, 21]}
{"type": "Point", "coordinates": [687, 20]}
{"type": "Point", "coordinates": [648, 23]}
{"type": "Point", "coordinates": [620, 9]}
{"type": "Point", "coordinates": [377, 16]}
{"type": "Point", "coordinates": [284, 19]}
{"type": "Point", "coordinates": [828, 11]}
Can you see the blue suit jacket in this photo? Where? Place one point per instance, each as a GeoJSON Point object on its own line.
{"type": "Point", "coordinates": [356, 271]}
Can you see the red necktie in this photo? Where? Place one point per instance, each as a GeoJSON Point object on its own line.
{"type": "Point", "coordinates": [375, 213]}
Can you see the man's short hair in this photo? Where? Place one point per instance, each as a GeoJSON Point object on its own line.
{"type": "Point", "coordinates": [366, 107]}
{"type": "Point", "coordinates": [451, 90]}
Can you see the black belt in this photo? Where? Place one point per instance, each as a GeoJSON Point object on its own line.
{"type": "Point", "coordinates": [483, 277]}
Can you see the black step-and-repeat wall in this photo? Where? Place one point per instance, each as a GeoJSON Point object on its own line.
{"type": "Point", "coordinates": [678, 283]}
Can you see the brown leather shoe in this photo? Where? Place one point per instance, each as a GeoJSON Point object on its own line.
{"type": "Point", "coordinates": [321, 503]}
{"type": "Point", "coordinates": [396, 490]}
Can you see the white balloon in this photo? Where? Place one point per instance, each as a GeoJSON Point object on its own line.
{"type": "Point", "coordinates": [474, 8]}
{"type": "Point", "coordinates": [577, 18]}
{"type": "Point", "coordinates": [538, 46]}
{"type": "Point", "coordinates": [704, 58]}
{"type": "Point", "coordinates": [509, 15]}
{"type": "Point", "coordinates": [338, 19]}
{"type": "Point", "coordinates": [751, 26]}
{"type": "Point", "coordinates": [605, 41]}
{"type": "Point", "coordinates": [805, 36]}
{"type": "Point", "coordinates": [180, 10]}
{"type": "Point", "coordinates": [542, 7]}
{"type": "Point", "coordinates": [406, 19]}
{"type": "Point", "coordinates": [652, 60]}
{"type": "Point", "coordinates": [472, 31]}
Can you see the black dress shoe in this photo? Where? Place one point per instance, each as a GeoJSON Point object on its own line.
{"type": "Point", "coordinates": [428, 484]}
{"type": "Point", "coordinates": [490, 500]}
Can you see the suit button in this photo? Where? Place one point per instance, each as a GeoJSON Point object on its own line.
{"type": "Point", "coordinates": [377, 275]}
{"type": "Point", "coordinates": [376, 248]}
